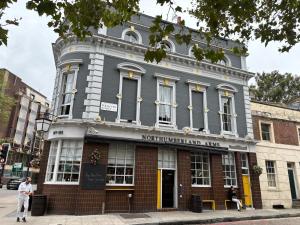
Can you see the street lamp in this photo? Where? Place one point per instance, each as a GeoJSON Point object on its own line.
{"type": "Point", "coordinates": [43, 122]}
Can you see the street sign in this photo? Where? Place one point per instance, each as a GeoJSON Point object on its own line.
{"type": "Point", "coordinates": [18, 165]}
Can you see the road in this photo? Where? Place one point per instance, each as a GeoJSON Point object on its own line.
{"type": "Point", "coordinates": [278, 221]}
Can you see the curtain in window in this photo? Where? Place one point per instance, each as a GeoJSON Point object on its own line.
{"type": "Point", "coordinates": [165, 97]}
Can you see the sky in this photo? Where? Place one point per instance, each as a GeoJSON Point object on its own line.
{"type": "Point", "coordinates": [29, 52]}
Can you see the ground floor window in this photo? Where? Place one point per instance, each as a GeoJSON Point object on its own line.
{"type": "Point", "coordinates": [120, 170]}
{"type": "Point", "coordinates": [271, 174]}
{"type": "Point", "coordinates": [229, 169]}
{"type": "Point", "coordinates": [200, 168]}
{"type": "Point", "coordinates": [64, 161]}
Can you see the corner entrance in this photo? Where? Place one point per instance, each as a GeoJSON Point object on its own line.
{"type": "Point", "coordinates": [166, 179]}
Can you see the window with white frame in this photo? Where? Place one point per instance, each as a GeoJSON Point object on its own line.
{"type": "Point", "coordinates": [200, 168]}
{"type": "Point", "coordinates": [229, 169]}
{"type": "Point", "coordinates": [165, 106]}
{"type": "Point", "coordinates": [226, 113]}
{"type": "Point", "coordinates": [271, 173]}
{"type": "Point", "coordinates": [120, 169]}
{"type": "Point", "coordinates": [131, 37]}
{"type": "Point", "coordinates": [66, 93]}
{"type": "Point", "coordinates": [227, 109]}
{"type": "Point", "coordinates": [166, 158]}
{"type": "Point", "coordinates": [265, 131]}
{"type": "Point", "coordinates": [166, 101]}
{"type": "Point", "coordinates": [129, 96]}
{"type": "Point", "coordinates": [64, 161]}
{"type": "Point", "coordinates": [198, 105]}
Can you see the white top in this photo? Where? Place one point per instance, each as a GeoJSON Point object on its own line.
{"type": "Point", "coordinates": [23, 188]}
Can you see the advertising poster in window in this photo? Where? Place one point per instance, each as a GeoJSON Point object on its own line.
{"type": "Point", "coordinates": [93, 176]}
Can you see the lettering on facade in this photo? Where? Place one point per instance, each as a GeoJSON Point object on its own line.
{"type": "Point", "coordinates": [93, 176]}
{"type": "Point", "coordinates": [109, 107]}
{"type": "Point", "coordinates": [238, 147]}
{"type": "Point", "coordinates": [58, 132]}
{"type": "Point", "coordinates": [174, 140]}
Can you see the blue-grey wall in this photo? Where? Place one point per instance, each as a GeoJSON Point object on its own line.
{"type": "Point", "coordinates": [110, 89]}
{"type": "Point", "coordinates": [144, 20]}
{"type": "Point", "coordinates": [81, 83]}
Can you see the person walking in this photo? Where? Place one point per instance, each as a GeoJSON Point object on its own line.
{"type": "Point", "coordinates": [24, 190]}
{"type": "Point", "coordinates": [233, 197]}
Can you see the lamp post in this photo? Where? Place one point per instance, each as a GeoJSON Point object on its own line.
{"type": "Point", "coordinates": [43, 122]}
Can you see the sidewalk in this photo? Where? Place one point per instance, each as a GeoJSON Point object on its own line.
{"type": "Point", "coordinates": [174, 217]}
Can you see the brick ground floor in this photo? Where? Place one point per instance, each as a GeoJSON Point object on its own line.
{"type": "Point", "coordinates": [143, 177]}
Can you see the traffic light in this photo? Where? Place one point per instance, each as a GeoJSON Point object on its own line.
{"type": "Point", "coordinates": [4, 152]}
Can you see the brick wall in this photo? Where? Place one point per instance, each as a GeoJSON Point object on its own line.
{"type": "Point", "coordinates": [43, 166]}
{"type": "Point", "coordinates": [117, 201]}
{"type": "Point", "coordinates": [184, 178]}
{"type": "Point", "coordinates": [255, 186]}
{"type": "Point", "coordinates": [285, 132]}
{"type": "Point", "coordinates": [145, 194]}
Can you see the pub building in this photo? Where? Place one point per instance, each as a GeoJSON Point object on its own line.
{"type": "Point", "coordinates": [131, 136]}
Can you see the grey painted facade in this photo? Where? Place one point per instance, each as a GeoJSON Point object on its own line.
{"type": "Point", "coordinates": [98, 81]}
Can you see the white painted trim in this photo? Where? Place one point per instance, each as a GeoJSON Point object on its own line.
{"type": "Point", "coordinates": [192, 87]}
{"type": "Point", "coordinates": [70, 62]}
{"type": "Point", "coordinates": [172, 45]}
{"type": "Point", "coordinates": [129, 67]}
{"type": "Point", "coordinates": [163, 76]}
{"type": "Point", "coordinates": [171, 83]}
{"type": "Point", "coordinates": [135, 76]}
{"type": "Point", "coordinates": [227, 87]}
{"type": "Point", "coordinates": [233, 116]}
{"type": "Point", "coordinates": [298, 133]}
{"type": "Point", "coordinates": [139, 36]}
{"type": "Point", "coordinates": [272, 136]}
{"type": "Point", "coordinates": [197, 82]}
{"type": "Point", "coordinates": [61, 183]}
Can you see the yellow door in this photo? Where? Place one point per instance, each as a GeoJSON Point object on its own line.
{"type": "Point", "coordinates": [247, 190]}
{"type": "Point", "coordinates": [158, 189]}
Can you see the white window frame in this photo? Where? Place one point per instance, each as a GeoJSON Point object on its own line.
{"type": "Point", "coordinates": [56, 165]}
{"type": "Point", "coordinates": [209, 172]}
{"type": "Point", "coordinates": [170, 81]}
{"type": "Point", "coordinates": [132, 30]}
{"type": "Point", "coordinates": [134, 72]}
{"type": "Point", "coordinates": [224, 62]}
{"type": "Point", "coordinates": [67, 66]}
{"type": "Point", "coordinates": [198, 87]}
{"type": "Point", "coordinates": [275, 174]}
{"type": "Point", "coordinates": [171, 43]}
{"type": "Point", "coordinates": [272, 138]}
{"type": "Point", "coordinates": [133, 175]}
{"type": "Point", "coordinates": [224, 171]}
{"type": "Point", "coordinates": [227, 90]}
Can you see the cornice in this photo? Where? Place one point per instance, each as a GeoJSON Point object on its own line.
{"type": "Point", "coordinates": [115, 43]}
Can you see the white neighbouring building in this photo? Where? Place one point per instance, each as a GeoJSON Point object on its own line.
{"type": "Point", "coordinates": [278, 153]}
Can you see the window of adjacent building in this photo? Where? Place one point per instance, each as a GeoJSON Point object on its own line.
{"type": "Point", "coordinates": [64, 161]}
{"type": "Point", "coordinates": [66, 93]}
{"type": "Point", "coordinates": [265, 131]}
{"type": "Point", "coordinates": [166, 158]}
{"type": "Point", "coordinates": [271, 173]}
{"type": "Point", "coordinates": [131, 37]}
{"type": "Point", "coordinates": [120, 169]}
{"type": "Point", "coordinates": [226, 113]}
{"type": "Point", "coordinates": [200, 168]}
{"type": "Point", "coordinates": [165, 107]}
{"type": "Point", "coordinates": [229, 169]}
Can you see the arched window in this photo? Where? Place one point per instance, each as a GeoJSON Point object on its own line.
{"type": "Point", "coordinates": [132, 36]}
{"type": "Point", "coordinates": [168, 45]}
{"type": "Point", "coordinates": [224, 62]}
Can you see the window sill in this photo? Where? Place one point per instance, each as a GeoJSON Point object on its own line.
{"type": "Point", "coordinates": [120, 185]}
{"type": "Point", "coordinates": [62, 183]}
{"type": "Point", "coordinates": [229, 186]}
{"type": "Point", "coordinates": [203, 186]}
